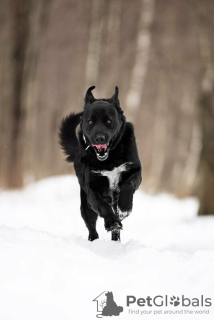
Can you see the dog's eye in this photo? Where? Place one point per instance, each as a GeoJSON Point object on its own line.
{"type": "Point", "coordinates": [90, 122]}
{"type": "Point", "coordinates": [108, 121]}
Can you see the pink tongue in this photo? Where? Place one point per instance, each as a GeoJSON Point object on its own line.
{"type": "Point", "coordinates": [100, 146]}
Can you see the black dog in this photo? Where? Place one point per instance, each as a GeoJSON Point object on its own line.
{"type": "Point", "coordinates": [105, 159]}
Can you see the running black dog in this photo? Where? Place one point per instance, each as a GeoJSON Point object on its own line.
{"type": "Point", "coordinates": [105, 159]}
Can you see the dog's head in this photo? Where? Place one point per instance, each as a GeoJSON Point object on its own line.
{"type": "Point", "coordinates": [102, 123]}
{"type": "Point", "coordinates": [109, 295]}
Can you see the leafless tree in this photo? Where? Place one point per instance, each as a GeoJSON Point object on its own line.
{"type": "Point", "coordinates": [102, 303]}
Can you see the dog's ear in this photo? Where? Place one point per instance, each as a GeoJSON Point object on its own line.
{"type": "Point", "coordinates": [115, 95]}
{"type": "Point", "coordinates": [89, 98]}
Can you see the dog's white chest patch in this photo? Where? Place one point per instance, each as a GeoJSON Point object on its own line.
{"type": "Point", "coordinates": [114, 174]}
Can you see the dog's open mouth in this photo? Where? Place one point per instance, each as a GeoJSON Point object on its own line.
{"type": "Point", "coordinates": [101, 150]}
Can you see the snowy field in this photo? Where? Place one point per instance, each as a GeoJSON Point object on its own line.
{"type": "Point", "coordinates": [48, 269]}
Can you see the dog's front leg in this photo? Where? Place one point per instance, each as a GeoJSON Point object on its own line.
{"type": "Point", "coordinates": [125, 201]}
{"type": "Point", "coordinates": [127, 190]}
{"type": "Point", "coordinates": [104, 210]}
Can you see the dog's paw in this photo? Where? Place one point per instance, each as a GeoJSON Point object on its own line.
{"type": "Point", "coordinates": [125, 199]}
{"type": "Point", "coordinates": [93, 236]}
{"type": "Point", "coordinates": [123, 215]}
{"type": "Point", "coordinates": [115, 235]}
{"type": "Point", "coordinates": [113, 225]}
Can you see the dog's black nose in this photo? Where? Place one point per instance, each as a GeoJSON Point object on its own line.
{"type": "Point", "coordinates": [99, 138]}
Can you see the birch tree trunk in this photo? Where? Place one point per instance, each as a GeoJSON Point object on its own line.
{"type": "Point", "coordinates": [94, 41]}
{"type": "Point", "coordinates": [140, 67]}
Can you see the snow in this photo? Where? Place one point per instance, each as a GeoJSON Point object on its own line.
{"type": "Point", "coordinates": [49, 270]}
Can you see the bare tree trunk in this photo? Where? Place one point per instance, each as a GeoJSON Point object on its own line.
{"type": "Point", "coordinates": [141, 60]}
{"type": "Point", "coordinates": [7, 67]}
{"type": "Point", "coordinates": [188, 142]}
{"type": "Point", "coordinates": [206, 105]}
{"type": "Point", "coordinates": [206, 174]}
{"type": "Point", "coordinates": [28, 125]}
{"type": "Point", "coordinates": [110, 53]}
{"type": "Point", "coordinates": [20, 9]}
{"type": "Point", "coordinates": [94, 42]}
{"type": "Point", "coordinates": [159, 132]}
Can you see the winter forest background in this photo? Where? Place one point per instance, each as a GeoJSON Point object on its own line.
{"type": "Point", "coordinates": [160, 54]}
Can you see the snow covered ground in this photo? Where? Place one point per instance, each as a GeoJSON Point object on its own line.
{"type": "Point", "coordinates": [48, 269]}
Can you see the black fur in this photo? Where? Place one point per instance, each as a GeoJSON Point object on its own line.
{"type": "Point", "coordinates": [102, 125]}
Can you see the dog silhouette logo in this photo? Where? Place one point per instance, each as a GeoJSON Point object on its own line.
{"type": "Point", "coordinates": [106, 306]}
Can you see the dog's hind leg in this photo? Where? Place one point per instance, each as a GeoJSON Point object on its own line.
{"type": "Point", "coordinates": [89, 216]}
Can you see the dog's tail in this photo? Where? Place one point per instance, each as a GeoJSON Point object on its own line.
{"type": "Point", "coordinates": [67, 135]}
